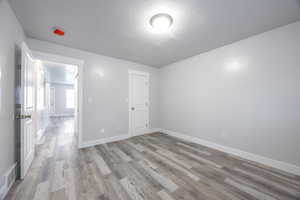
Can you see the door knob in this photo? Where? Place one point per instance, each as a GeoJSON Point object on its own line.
{"type": "Point", "coordinates": [132, 108]}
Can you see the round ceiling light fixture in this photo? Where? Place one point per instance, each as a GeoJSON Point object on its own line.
{"type": "Point", "coordinates": [161, 22]}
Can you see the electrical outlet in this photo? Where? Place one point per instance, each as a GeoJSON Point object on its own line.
{"type": "Point", "coordinates": [102, 130]}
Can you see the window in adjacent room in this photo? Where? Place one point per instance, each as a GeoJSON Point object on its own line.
{"type": "Point", "coordinates": [70, 98]}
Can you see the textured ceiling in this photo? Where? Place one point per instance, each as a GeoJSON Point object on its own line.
{"type": "Point", "coordinates": [120, 28]}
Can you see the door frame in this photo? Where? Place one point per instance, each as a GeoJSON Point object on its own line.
{"type": "Point", "coordinates": [130, 72]}
{"type": "Point", "coordinates": [70, 61]}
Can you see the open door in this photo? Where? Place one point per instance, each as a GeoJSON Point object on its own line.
{"type": "Point", "coordinates": [27, 109]}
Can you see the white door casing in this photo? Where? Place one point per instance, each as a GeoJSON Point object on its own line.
{"type": "Point", "coordinates": [138, 102]}
{"type": "Point", "coordinates": [76, 110]}
{"type": "Point", "coordinates": [27, 110]}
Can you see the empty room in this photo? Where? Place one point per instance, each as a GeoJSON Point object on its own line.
{"type": "Point", "coordinates": [150, 100]}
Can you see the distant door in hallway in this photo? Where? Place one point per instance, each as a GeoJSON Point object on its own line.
{"type": "Point", "coordinates": [52, 100]}
{"type": "Point", "coordinates": [27, 109]}
{"type": "Point", "coordinates": [138, 102]}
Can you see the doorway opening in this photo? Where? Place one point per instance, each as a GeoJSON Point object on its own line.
{"type": "Point", "coordinates": [56, 97]}
{"type": "Point", "coordinates": [50, 114]}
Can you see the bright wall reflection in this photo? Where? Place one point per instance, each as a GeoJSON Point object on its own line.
{"type": "Point", "coordinates": [235, 65]}
{"type": "Point", "coordinates": [98, 72]}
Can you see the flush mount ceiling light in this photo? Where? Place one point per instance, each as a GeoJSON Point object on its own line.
{"type": "Point", "coordinates": [161, 22]}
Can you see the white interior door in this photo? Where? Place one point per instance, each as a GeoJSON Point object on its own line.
{"type": "Point", "coordinates": [27, 110]}
{"type": "Point", "coordinates": [138, 102]}
{"type": "Point", "coordinates": [52, 100]}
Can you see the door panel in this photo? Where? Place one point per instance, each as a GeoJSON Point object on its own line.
{"type": "Point", "coordinates": [27, 109]}
{"type": "Point", "coordinates": [139, 102]}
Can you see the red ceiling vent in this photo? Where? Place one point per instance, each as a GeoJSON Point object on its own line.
{"type": "Point", "coordinates": [58, 32]}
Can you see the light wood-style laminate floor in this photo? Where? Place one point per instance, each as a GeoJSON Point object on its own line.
{"type": "Point", "coordinates": [148, 167]}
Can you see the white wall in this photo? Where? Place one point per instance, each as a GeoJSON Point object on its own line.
{"type": "Point", "coordinates": [60, 99]}
{"type": "Point", "coordinates": [105, 97]}
{"type": "Point", "coordinates": [11, 36]}
{"type": "Point", "coordinates": [245, 95]}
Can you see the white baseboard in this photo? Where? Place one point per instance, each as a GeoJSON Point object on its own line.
{"type": "Point", "coordinates": [287, 167]}
{"type": "Point", "coordinates": [86, 144]}
{"type": "Point", "coordinates": [62, 115]}
{"type": "Point", "coordinates": [8, 184]}
{"type": "Point", "coordinates": [91, 143]}
{"type": "Point", "coordinates": [154, 130]}
{"type": "Point", "coordinates": [149, 131]}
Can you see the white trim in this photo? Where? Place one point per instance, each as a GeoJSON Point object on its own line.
{"type": "Point", "coordinates": [71, 61]}
{"type": "Point", "coordinates": [147, 131]}
{"type": "Point", "coordinates": [6, 187]}
{"type": "Point", "coordinates": [130, 71]}
{"type": "Point", "coordinates": [91, 143]}
{"type": "Point", "coordinates": [154, 130]}
{"type": "Point", "coordinates": [62, 115]}
{"type": "Point", "coordinates": [287, 167]}
{"type": "Point", "coordinates": [103, 141]}
{"type": "Point", "coordinates": [60, 83]}
{"type": "Point", "coordinates": [143, 73]}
